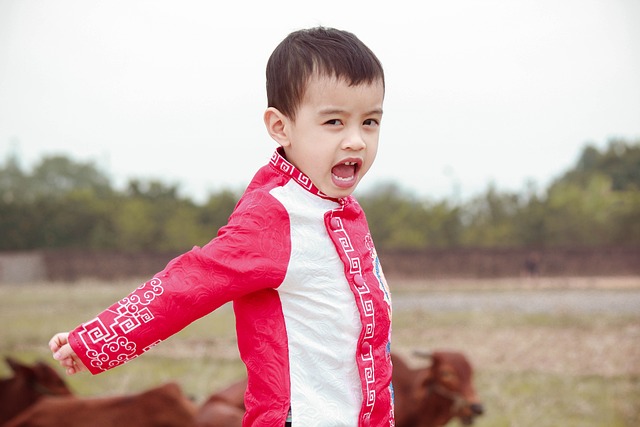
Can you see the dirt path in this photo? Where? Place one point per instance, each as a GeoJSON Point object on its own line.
{"type": "Point", "coordinates": [558, 295]}
{"type": "Point", "coordinates": [524, 301]}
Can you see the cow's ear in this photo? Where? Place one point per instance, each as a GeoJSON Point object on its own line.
{"type": "Point", "coordinates": [423, 354]}
{"type": "Point", "coordinates": [14, 364]}
{"type": "Point", "coordinates": [20, 369]}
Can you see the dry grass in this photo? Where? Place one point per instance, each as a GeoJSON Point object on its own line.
{"type": "Point", "coordinates": [532, 369]}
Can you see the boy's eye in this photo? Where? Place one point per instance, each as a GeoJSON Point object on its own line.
{"type": "Point", "coordinates": [334, 122]}
{"type": "Point", "coordinates": [371, 122]}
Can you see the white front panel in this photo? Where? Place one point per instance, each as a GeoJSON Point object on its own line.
{"type": "Point", "coordinates": [321, 316]}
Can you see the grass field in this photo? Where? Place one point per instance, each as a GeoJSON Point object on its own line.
{"type": "Point", "coordinates": [542, 369]}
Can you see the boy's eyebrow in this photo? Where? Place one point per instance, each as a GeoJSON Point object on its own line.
{"type": "Point", "coordinates": [331, 111]}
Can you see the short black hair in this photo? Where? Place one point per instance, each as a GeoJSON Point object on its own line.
{"type": "Point", "coordinates": [322, 50]}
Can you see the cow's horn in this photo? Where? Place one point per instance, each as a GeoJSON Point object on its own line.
{"type": "Point", "coordinates": [423, 354]}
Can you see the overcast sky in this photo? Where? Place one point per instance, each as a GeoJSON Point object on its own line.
{"type": "Point", "coordinates": [477, 91]}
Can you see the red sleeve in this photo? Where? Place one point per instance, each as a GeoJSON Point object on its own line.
{"type": "Point", "coordinates": [249, 254]}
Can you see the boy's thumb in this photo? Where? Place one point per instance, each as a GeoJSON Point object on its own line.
{"type": "Point", "coordinates": [63, 352]}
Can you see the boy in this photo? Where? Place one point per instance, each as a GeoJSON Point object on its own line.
{"type": "Point", "coordinates": [313, 310]}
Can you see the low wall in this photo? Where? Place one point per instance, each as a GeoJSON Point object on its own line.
{"type": "Point", "coordinates": [434, 263]}
{"type": "Point", "coordinates": [20, 267]}
{"type": "Point", "coordinates": [485, 263]}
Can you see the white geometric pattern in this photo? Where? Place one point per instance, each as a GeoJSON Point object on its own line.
{"type": "Point", "coordinates": [123, 317]}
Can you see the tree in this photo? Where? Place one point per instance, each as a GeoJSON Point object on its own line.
{"type": "Point", "coordinates": [56, 176]}
{"type": "Point", "coordinates": [620, 162]}
{"type": "Point", "coordinates": [14, 183]}
{"type": "Point", "coordinates": [399, 221]}
{"type": "Point", "coordinates": [55, 206]}
{"type": "Point", "coordinates": [488, 219]}
{"type": "Point", "coordinates": [66, 204]}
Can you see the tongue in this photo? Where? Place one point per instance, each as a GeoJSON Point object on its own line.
{"type": "Point", "coordinates": [343, 171]}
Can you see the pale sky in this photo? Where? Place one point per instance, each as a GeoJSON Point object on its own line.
{"type": "Point", "coordinates": [477, 91]}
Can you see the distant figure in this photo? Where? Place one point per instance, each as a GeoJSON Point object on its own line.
{"type": "Point", "coordinates": [532, 264]}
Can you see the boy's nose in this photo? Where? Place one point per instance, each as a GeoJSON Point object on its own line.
{"type": "Point", "coordinates": [354, 141]}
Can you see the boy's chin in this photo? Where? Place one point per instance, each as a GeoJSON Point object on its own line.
{"type": "Point", "coordinates": [339, 192]}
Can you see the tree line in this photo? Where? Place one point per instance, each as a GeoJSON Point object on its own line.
{"type": "Point", "coordinates": [65, 204]}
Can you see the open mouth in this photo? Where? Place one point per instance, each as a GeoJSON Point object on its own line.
{"type": "Point", "coordinates": [346, 171]}
{"type": "Point", "coordinates": [467, 421]}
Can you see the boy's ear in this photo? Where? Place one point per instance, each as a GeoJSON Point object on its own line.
{"type": "Point", "coordinates": [276, 124]}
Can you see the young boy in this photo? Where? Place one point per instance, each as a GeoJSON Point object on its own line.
{"type": "Point", "coordinates": [313, 310]}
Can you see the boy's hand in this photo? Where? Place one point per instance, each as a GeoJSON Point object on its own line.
{"type": "Point", "coordinates": [64, 354]}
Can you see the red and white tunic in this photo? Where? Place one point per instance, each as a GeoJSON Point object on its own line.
{"type": "Point", "coordinates": [312, 307]}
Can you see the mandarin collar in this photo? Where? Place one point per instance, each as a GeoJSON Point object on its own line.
{"type": "Point", "coordinates": [279, 163]}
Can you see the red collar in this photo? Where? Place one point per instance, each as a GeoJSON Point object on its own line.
{"type": "Point", "coordinates": [279, 163]}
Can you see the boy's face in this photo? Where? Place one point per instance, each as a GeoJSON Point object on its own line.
{"type": "Point", "coordinates": [334, 138]}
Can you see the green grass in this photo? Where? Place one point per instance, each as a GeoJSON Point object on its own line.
{"type": "Point", "coordinates": [545, 400]}
{"type": "Point", "coordinates": [531, 369]}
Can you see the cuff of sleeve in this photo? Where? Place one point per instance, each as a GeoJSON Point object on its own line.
{"type": "Point", "coordinates": [81, 351]}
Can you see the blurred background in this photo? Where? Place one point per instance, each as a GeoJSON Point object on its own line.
{"type": "Point", "coordinates": [135, 125]}
{"type": "Point", "coordinates": [504, 202]}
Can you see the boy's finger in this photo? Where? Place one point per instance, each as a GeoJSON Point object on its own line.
{"type": "Point", "coordinates": [64, 352]}
{"type": "Point", "coordinates": [58, 341]}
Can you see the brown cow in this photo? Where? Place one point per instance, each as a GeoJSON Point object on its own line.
{"type": "Point", "coordinates": [28, 384]}
{"type": "Point", "coordinates": [432, 396]}
{"type": "Point", "coordinates": [164, 406]}
{"type": "Point", "coordinates": [424, 397]}
{"type": "Point", "coordinates": [224, 408]}
{"type": "Point", "coordinates": [217, 413]}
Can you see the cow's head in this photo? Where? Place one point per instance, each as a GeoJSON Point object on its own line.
{"type": "Point", "coordinates": [28, 384]}
{"type": "Point", "coordinates": [447, 388]}
{"type": "Point", "coordinates": [41, 378]}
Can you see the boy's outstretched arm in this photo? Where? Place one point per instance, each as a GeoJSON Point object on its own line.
{"type": "Point", "coordinates": [64, 354]}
